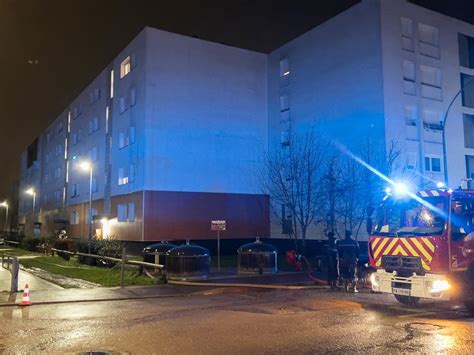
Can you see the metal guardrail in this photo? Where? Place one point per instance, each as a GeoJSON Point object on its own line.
{"type": "Point", "coordinates": [122, 261]}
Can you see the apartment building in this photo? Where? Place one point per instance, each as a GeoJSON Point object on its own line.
{"type": "Point", "coordinates": [170, 129]}
{"type": "Point", "coordinates": [180, 120]}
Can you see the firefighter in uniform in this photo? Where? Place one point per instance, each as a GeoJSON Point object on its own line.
{"type": "Point", "coordinates": [331, 254]}
{"type": "Point", "coordinates": [348, 251]}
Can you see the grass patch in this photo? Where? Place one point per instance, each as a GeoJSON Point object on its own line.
{"type": "Point", "coordinates": [16, 251]}
{"type": "Point", "coordinates": [72, 268]}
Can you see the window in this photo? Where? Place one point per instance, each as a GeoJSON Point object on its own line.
{"type": "Point", "coordinates": [122, 176]}
{"type": "Point", "coordinates": [133, 97]}
{"type": "Point", "coordinates": [57, 173]}
{"type": "Point", "coordinates": [58, 150]}
{"type": "Point", "coordinates": [412, 159]}
{"type": "Point", "coordinates": [433, 164]}
{"type": "Point", "coordinates": [69, 122]}
{"type": "Point", "coordinates": [95, 186]}
{"type": "Point", "coordinates": [468, 123]}
{"type": "Point", "coordinates": [111, 84]}
{"type": "Point", "coordinates": [46, 178]}
{"type": "Point", "coordinates": [93, 154]}
{"type": "Point", "coordinates": [74, 138]}
{"type": "Point", "coordinates": [74, 217]}
{"type": "Point", "coordinates": [432, 119]}
{"type": "Point", "coordinates": [131, 212]}
{"type": "Point", "coordinates": [93, 125]}
{"type": "Point", "coordinates": [76, 111]}
{"type": "Point", "coordinates": [57, 196]}
{"type": "Point", "coordinates": [122, 212]}
{"type": "Point", "coordinates": [74, 190]}
{"type": "Point", "coordinates": [126, 212]}
{"type": "Point", "coordinates": [466, 51]}
{"type": "Point", "coordinates": [127, 138]}
{"type": "Point", "coordinates": [428, 34]}
{"type": "Point", "coordinates": [94, 212]}
{"type": "Point", "coordinates": [284, 103]}
{"type": "Point", "coordinates": [285, 137]}
{"type": "Point", "coordinates": [125, 67]}
{"type": "Point", "coordinates": [284, 67]}
{"type": "Point", "coordinates": [106, 119]}
{"type": "Point", "coordinates": [467, 84]}
{"type": "Point", "coordinates": [122, 105]}
{"type": "Point", "coordinates": [131, 173]}
{"type": "Point", "coordinates": [94, 95]}
{"type": "Point", "coordinates": [59, 127]}
{"type": "Point", "coordinates": [408, 69]}
{"type": "Point", "coordinates": [407, 34]}
{"type": "Point", "coordinates": [430, 82]}
{"type": "Point", "coordinates": [430, 76]}
{"type": "Point", "coordinates": [410, 115]}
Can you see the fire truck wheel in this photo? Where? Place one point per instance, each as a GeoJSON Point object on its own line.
{"type": "Point", "coordinates": [407, 300]}
{"type": "Point", "coordinates": [470, 307]}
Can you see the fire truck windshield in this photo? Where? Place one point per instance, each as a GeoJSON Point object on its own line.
{"type": "Point", "coordinates": [408, 217]}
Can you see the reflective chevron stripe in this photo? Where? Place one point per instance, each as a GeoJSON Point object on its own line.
{"type": "Point", "coordinates": [418, 247]}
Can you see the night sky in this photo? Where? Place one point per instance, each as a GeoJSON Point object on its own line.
{"type": "Point", "coordinates": [50, 50]}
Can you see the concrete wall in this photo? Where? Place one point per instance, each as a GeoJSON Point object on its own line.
{"type": "Point", "coordinates": [206, 115]}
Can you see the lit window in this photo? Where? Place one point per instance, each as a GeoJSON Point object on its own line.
{"type": "Point", "coordinates": [125, 67]}
{"type": "Point", "coordinates": [111, 84]}
{"type": "Point", "coordinates": [95, 186]}
{"type": "Point", "coordinates": [122, 177]}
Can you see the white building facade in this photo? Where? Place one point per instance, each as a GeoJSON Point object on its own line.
{"type": "Point", "coordinates": [174, 125]}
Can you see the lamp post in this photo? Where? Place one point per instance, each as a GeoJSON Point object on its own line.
{"type": "Point", "coordinates": [87, 166]}
{"type": "Point", "coordinates": [445, 118]}
{"type": "Point", "coordinates": [31, 191]}
{"type": "Point", "coordinates": [5, 204]}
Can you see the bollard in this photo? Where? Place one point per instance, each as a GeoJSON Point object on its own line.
{"type": "Point", "coordinates": [15, 269]}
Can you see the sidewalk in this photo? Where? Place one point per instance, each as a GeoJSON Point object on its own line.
{"type": "Point", "coordinates": [24, 277]}
{"type": "Point", "coordinates": [51, 296]}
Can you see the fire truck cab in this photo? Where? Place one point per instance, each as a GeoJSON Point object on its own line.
{"type": "Point", "coordinates": [422, 246]}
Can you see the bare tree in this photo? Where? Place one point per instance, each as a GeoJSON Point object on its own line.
{"type": "Point", "coordinates": [291, 174]}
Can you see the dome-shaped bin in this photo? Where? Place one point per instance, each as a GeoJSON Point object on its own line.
{"type": "Point", "coordinates": [188, 262]}
{"type": "Point", "coordinates": [156, 253]}
{"type": "Point", "coordinates": [257, 257]}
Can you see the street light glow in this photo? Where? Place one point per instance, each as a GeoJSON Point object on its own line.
{"type": "Point", "coordinates": [4, 204]}
{"type": "Point", "coordinates": [85, 165]}
{"type": "Point", "coordinates": [30, 191]}
{"type": "Point", "coordinates": [440, 184]}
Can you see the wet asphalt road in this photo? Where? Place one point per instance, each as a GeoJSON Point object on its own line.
{"type": "Point", "coordinates": [239, 321]}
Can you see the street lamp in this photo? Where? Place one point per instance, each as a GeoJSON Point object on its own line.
{"type": "Point", "coordinates": [445, 118]}
{"type": "Point", "coordinates": [31, 191]}
{"type": "Point", "coordinates": [87, 166]}
{"type": "Point", "coordinates": [5, 204]}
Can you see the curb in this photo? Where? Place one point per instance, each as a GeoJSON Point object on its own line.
{"type": "Point", "coordinates": [95, 300]}
{"type": "Point", "coordinates": [246, 285]}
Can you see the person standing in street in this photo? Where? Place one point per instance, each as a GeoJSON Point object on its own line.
{"type": "Point", "coordinates": [331, 254]}
{"type": "Point", "coordinates": [348, 251]}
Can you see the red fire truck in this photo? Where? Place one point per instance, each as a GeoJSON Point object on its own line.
{"type": "Point", "coordinates": [422, 246]}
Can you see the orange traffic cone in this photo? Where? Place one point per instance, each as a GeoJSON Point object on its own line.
{"type": "Point", "coordinates": [25, 300]}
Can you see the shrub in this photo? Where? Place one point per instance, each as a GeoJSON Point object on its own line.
{"type": "Point", "coordinates": [30, 243]}
{"type": "Point", "coordinates": [64, 244]}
